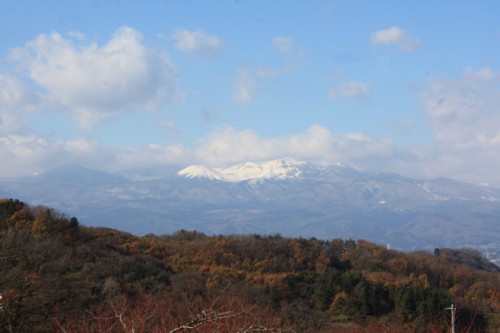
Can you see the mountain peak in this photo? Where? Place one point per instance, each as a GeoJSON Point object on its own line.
{"type": "Point", "coordinates": [199, 171]}
{"type": "Point", "coordinates": [276, 169]}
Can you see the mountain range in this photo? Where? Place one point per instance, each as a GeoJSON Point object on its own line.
{"type": "Point", "coordinates": [284, 196]}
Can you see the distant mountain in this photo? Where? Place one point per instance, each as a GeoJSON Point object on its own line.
{"type": "Point", "coordinates": [281, 196]}
{"type": "Point", "coordinates": [74, 174]}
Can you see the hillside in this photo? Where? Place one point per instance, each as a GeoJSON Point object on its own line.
{"type": "Point", "coordinates": [60, 276]}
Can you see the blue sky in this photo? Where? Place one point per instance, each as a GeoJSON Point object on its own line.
{"type": "Point", "coordinates": [406, 87]}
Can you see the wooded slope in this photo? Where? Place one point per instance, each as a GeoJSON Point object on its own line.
{"type": "Point", "coordinates": [59, 276]}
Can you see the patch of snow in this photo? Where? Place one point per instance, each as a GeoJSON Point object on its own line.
{"type": "Point", "coordinates": [425, 187]}
{"type": "Point", "coordinates": [440, 197]}
{"type": "Point", "coordinates": [490, 199]}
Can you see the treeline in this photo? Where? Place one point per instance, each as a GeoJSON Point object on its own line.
{"type": "Point", "coordinates": [59, 276]}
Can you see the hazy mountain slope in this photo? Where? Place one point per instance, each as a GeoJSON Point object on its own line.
{"type": "Point", "coordinates": [283, 196]}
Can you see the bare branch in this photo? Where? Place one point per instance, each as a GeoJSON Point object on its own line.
{"type": "Point", "coordinates": [263, 329]}
{"type": "Point", "coordinates": [208, 316]}
{"type": "Point", "coordinates": [58, 324]}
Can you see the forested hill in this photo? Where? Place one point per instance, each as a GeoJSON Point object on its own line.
{"type": "Point", "coordinates": [59, 276]}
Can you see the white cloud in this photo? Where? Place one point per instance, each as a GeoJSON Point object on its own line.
{"type": "Point", "coordinates": [23, 155]}
{"type": "Point", "coordinates": [484, 74]}
{"type": "Point", "coordinates": [244, 87]}
{"type": "Point", "coordinates": [11, 123]}
{"type": "Point", "coordinates": [283, 44]}
{"type": "Point", "coordinates": [197, 43]}
{"type": "Point", "coordinates": [475, 161]}
{"type": "Point", "coordinates": [396, 36]}
{"type": "Point", "coordinates": [16, 99]}
{"type": "Point", "coordinates": [152, 155]}
{"type": "Point", "coordinates": [463, 112]}
{"type": "Point", "coordinates": [16, 95]}
{"type": "Point", "coordinates": [464, 115]}
{"type": "Point", "coordinates": [227, 146]}
{"type": "Point", "coordinates": [28, 154]}
{"type": "Point", "coordinates": [95, 82]}
{"type": "Point", "coordinates": [224, 146]}
{"type": "Point", "coordinates": [350, 90]}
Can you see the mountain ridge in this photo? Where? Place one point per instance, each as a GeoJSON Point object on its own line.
{"type": "Point", "coordinates": [288, 197]}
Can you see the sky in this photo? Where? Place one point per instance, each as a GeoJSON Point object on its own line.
{"type": "Point", "coordinates": [411, 87]}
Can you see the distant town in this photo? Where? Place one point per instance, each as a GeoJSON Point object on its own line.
{"type": "Point", "coordinates": [490, 251]}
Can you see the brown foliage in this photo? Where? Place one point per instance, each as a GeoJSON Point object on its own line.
{"type": "Point", "coordinates": [56, 275]}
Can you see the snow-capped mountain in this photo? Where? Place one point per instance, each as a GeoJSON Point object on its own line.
{"type": "Point", "coordinates": [200, 171]}
{"type": "Point", "coordinates": [283, 196]}
{"type": "Point", "coordinates": [276, 169]}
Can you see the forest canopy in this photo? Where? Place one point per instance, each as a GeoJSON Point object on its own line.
{"type": "Point", "coordinates": [57, 275]}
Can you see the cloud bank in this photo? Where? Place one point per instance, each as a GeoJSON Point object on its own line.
{"type": "Point", "coordinates": [94, 82]}
{"type": "Point", "coordinates": [464, 115]}
{"type": "Point", "coordinates": [17, 99]}
{"type": "Point", "coordinates": [226, 146]}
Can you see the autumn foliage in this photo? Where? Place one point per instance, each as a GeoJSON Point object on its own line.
{"type": "Point", "coordinates": [59, 276]}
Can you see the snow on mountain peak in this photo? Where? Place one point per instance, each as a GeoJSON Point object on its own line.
{"type": "Point", "coordinates": [199, 171]}
{"type": "Point", "coordinates": [275, 169]}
